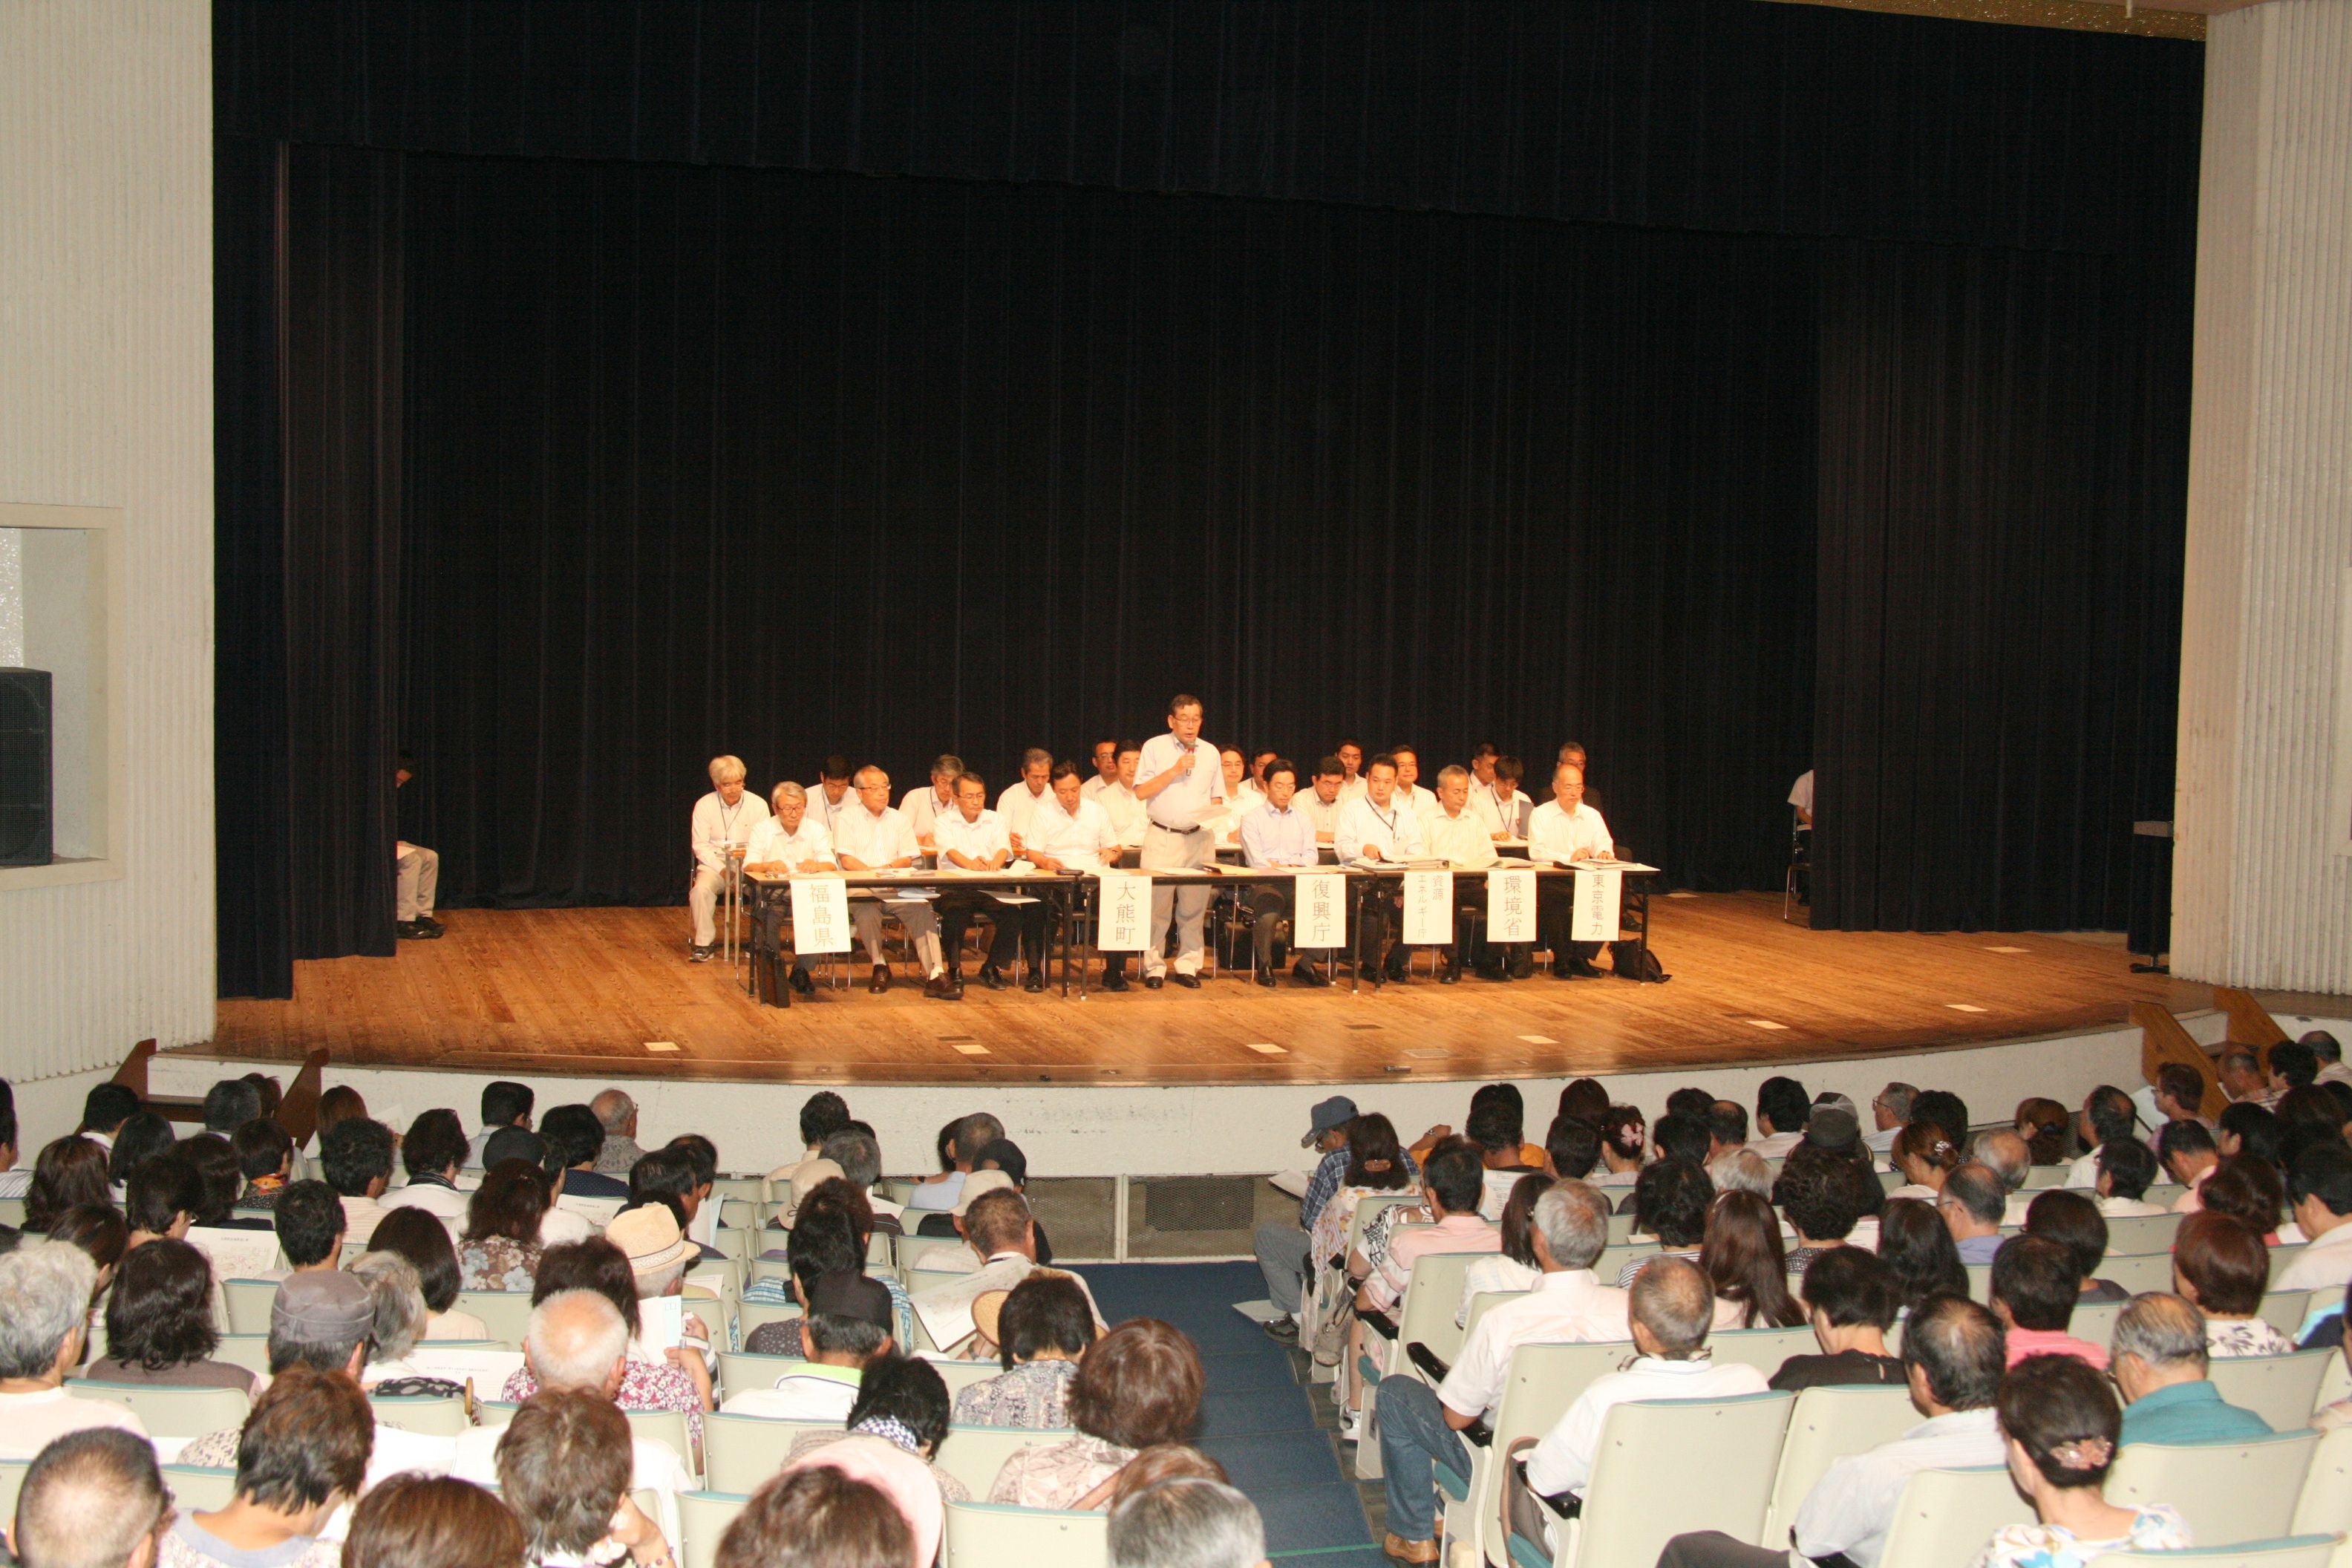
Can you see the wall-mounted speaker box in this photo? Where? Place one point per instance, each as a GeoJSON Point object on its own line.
{"type": "Point", "coordinates": [27, 790]}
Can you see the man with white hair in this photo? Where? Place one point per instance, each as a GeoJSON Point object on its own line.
{"type": "Point", "coordinates": [1891, 1110]}
{"type": "Point", "coordinates": [724, 816]}
{"type": "Point", "coordinates": [93, 1499]}
{"type": "Point", "coordinates": [45, 1291]}
{"type": "Point", "coordinates": [1188, 1521]}
{"type": "Point", "coordinates": [794, 841]}
{"type": "Point", "coordinates": [577, 1342]}
{"type": "Point", "coordinates": [871, 836]}
{"type": "Point", "coordinates": [618, 1113]}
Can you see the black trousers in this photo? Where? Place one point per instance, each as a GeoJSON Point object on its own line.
{"type": "Point", "coordinates": [1555, 917]}
{"type": "Point", "coordinates": [1021, 925]}
{"type": "Point", "coordinates": [1713, 1548]}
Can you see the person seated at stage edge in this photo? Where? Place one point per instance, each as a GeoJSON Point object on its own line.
{"type": "Point", "coordinates": [1377, 829]}
{"type": "Point", "coordinates": [724, 816]}
{"type": "Point", "coordinates": [1562, 830]}
{"type": "Point", "coordinates": [873, 836]}
{"type": "Point", "coordinates": [1278, 834]}
{"type": "Point", "coordinates": [970, 838]}
{"type": "Point", "coordinates": [1070, 833]}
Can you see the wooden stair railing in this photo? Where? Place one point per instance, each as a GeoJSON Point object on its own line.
{"type": "Point", "coordinates": [2162, 1040]}
{"type": "Point", "coordinates": [297, 1113]}
{"type": "Point", "coordinates": [2251, 1023]}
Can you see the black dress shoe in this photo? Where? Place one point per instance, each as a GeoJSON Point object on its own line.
{"type": "Point", "coordinates": [1114, 982]}
{"type": "Point", "coordinates": [1189, 981]}
{"type": "Point", "coordinates": [430, 924]}
{"type": "Point", "coordinates": [1449, 975]}
{"type": "Point", "coordinates": [1153, 983]}
{"type": "Point", "coordinates": [1265, 978]}
{"type": "Point", "coordinates": [802, 982]}
{"type": "Point", "coordinates": [1310, 975]}
{"type": "Point", "coordinates": [881, 981]}
{"type": "Point", "coordinates": [993, 977]}
{"type": "Point", "coordinates": [1036, 981]}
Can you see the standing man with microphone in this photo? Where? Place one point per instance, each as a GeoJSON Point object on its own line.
{"type": "Point", "coordinates": [1179, 781]}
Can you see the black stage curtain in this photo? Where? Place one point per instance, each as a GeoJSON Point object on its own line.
{"type": "Point", "coordinates": [779, 464]}
{"type": "Point", "coordinates": [2004, 455]}
{"type": "Point", "coordinates": [1716, 114]}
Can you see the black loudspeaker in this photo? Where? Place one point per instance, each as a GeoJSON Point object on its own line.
{"type": "Point", "coordinates": [26, 791]}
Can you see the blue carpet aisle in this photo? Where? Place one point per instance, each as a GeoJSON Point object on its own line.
{"type": "Point", "coordinates": [1256, 1418]}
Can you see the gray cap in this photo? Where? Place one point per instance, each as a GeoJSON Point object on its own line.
{"type": "Point", "coordinates": [1335, 1111]}
{"type": "Point", "coordinates": [323, 1304]}
{"type": "Point", "coordinates": [1831, 1128]}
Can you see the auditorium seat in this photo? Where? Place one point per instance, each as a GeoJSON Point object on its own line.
{"type": "Point", "coordinates": [998, 1535]}
{"type": "Point", "coordinates": [168, 1412]}
{"type": "Point", "coordinates": [2325, 1506]}
{"type": "Point", "coordinates": [741, 1451]}
{"type": "Point", "coordinates": [1945, 1517]}
{"type": "Point", "coordinates": [2283, 1390]}
{"type": "Point", "coordinates": [1828, 1424]}
{"type": "Point", "coordinates": [2227, 1491]}
{"type": "Point", "coordinates": [1543, 1382]}
{"type": "Point", "coordinates": [1636, 1502]}
{"type": "Point", "coordinates": [703, 1518]}
{"type": "Point", "coordinates": [2291, 1552]}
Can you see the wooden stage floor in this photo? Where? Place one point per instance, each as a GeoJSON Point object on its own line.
{"type": "Point", "coordinates": [585, 991]}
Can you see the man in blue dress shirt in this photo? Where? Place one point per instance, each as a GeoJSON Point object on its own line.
{"type": "Point", "coordinates": [1278, 834]}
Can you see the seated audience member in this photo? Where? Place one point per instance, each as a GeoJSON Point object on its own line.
{"type": "Point", "coordinates": [1572, 1147]}
{"type": "Point", "coordinates": [2249, 1189]}
{"type": "Point", "coordinates": [2240, 1069]}
{"type": "Point", "coordinates": [161, 1199]}
{"type": "Point", "coordinates": [704, 1155]}
{"type": "Point", "coordinates": [1624, 1143]}
{"type": "Point", "coordinates": [2034, 1290]}
{"type": "Point", "coordinates": [1164, 1462]}
{"type": "Point", "coordinates": [618, 1114]}
{"type": "Point", "coordinates": [943, 1192]}
{"type": "Point", "coordinates": [1671, 1309]}
{"type": "Point", "coordinates": [159, 1323]}
{"type": "Point", "coordinates": [1952, 1362]}
{"type": "Point", "coordinates": [1003, 1155]}
{"type": "Point", "coordinates": [1741, 1171]}
{"type": "Point", "coordinates": [2061, 1428]}
{"type": "Point", "coordinates": [1285, 1252]}
{"type": "Point", "coordinates": [1745, 1262]}
{"type": "Point", "coordinates": [667, 1178]}
{"type": "Point", "coordinates": [1890, 1113]}
{"type": "Point", "coordinates": [92, 1499]}
{"type": "Point", "coordinates": [398, 1303]}
{"type": "Point", "coordinates": [1453, 1185]}
{"type": "Point", "coordinates": [2107, 1117]}
{"type": "Point", "coordinates": [104, 1110]}
{"type": "Point", "coordinates": [575, 1142]}
{"type": "Point", "coordinates": [2320, 1184]}
{"type": "Point", "coordinates": [505, 1104]}
{"type": "Point", "coordinates": [1917, 1248]}
{"type": "Point", "coordinates": [308, 1220]}
{"type": "Point", "coordinates": [856, 1152]}
{"type": "Point", "coordinates": [1584, 1098]}
{"type": "Point", "coordinates": [414, 1520]}
{"type": "Point", "coordinates": [2222, 1268]}
{"type": "Point", "coordinates": [1726, 1129]}
{"type": "Point", "coordinates": [141, 1137]}
{"type": "Point", "coordinates": [904, 1482]}
{"type": "Point", "coordinates": [215, 1166]}
{"type": "Point", "coordinates": [1513, 1268]}
{"type": "Point", "coordinates": [1820, 1193]}
{"type": "Point", "coordinates": [817, 1517]}
{"type": "Point", "coordinates": [1926, 1158]}
{"type": "Point", "coordinates": [2005, 1154]}
{"type": "Point", "coordinates": [2127, 1168]}
{"type": "Point", "coordinates": [415, 1234]}
{"type": "Point", "coordinates": [1420, 1425]}
{"type": "Point", "coordinates": [265, 1156]}
{"type": "Point", "coordinates": [2075, 1223]}
{"type": "Point", "coordinates": [302, 1453]}
{"type": "Point", "coordinates": [100, 1233]}
{"type": "Point", "coordinates": [356, 1156]}
{"type": "Point", "coordinates": [1671, 1202]}
{"type": "Point", "coordinates": [846, 1328]}
{"type": "Point", "coordinates": [828, 1239]}
{"type": "Point", "coordinates": [2175, 1094]}
{"type": "Point", "coordinates": [432, 1154]}
{"type": "Point", "coordinates": [1851, 1298]}
{"type": "Point", "coordinates": [501, 1247]}
{"type": "Point", "coordinates": [565, 1467]}
{"type": "Point", "coordinates": [45, 1293]}
{"type": "Point", "coordinates": [1972, 1208]}
{"type": "Point", "coordinates": [68, 1174]}
{"type": "Point", "coordinates": [903, 1403]}
{"type": "Point", "coordinates": [679, 1381]}
{"type": "Point", "coordinates": [1140, 1384]}
{"type": "Point", "coordinates": [2160, 1364]}
{"type": "Point", "coordinates": [1514, 1105]}
{"type": "Point", "coordinates": [2047, 1129]}
{"type": "Point", "coordinates": [1044, 1330]}
{"type": "Point", "coordinates": [2189, 1157]}
{"type": "Point", "coordinates": [1375, 1164]}
{"type": "Point", "coordinates": [1782, 1110]}
{"type": "Point", "coordinates": [1187, 1523]}
{"type": "Point", "coordinates": [1493, 1128]}
{"type": "Point", "coordinates": [578, 1343]}
{"type": "Point", "coordinates": [2248, 1128]}
{"type": "Point", "coordinates": [1941, 1108]}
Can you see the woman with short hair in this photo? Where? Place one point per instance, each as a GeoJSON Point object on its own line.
{"type": "Point", "coordinates": [1672, 1200]}
{"type": "Point", "coordinates": [159, 1323]}
{"type": "Point", "coordinates": [1926, 1157]}
{"type": "Point", "coordinates": [416, 1521]}
{"type": "Point", "coordinates": [424, 1241]}
{"type": "Point", "coordinates": [1042, 1331]}
{"type": "Point", "coordinates": [2047, 1128]}
{"type": "Point", "coordinates": [564, 1463]}
{"type": "Point", "coordinates": [399, 1304]}
{"type": "Point", "coordinates": [2062, 1426]}
{"type": "Point", "coordinates": [2223, 1268]}
{"type": "Point", "coordinates": [817, 1518]}
{"type": "Point", "coordinates": [301, 1454]}
{"type": "Point", "coordinates": [1140, 1384]}
{"type": "Point", "coordinates": [902, 1401]}
{"type": "Point", "coordinates": [500, 1249]}
{"type": "Point", "coordinates": [68, 1173]}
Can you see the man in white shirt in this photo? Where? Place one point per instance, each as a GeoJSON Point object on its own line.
{"type": "Point", "coordinates": [1458, 836]}
{"type": "Point", "coordinates": [45, 1294]}
{"type": "Point", "coordinates": [1800, 797]}
{"type": "Point", "coordinates": [1071, 833]}
{"type": "Point", "coordinates": [871, 836]}
{"type": "Point", "coordinates": [923, 807]}
{"type": "Point", "coordinates": [1380, 830]}
{"type": "Point", "coordinates": [2107, 1117]}
{"type": "Point", "coordinates": [1562, 831]}
{"type": "Point", "coordinates": [1319, 798]}
{"type": "Point", "coordinates": [1243, 792]}
{"type": "Point", "coordinates": [1129, 820]}
{"type": "Point", "coordinates": [831, 795]}
{"type": "Point", "coordinates": [1891, 1112]}
{"type": "Point", "coordinates": [724, 816]}
{"type": "Point", "coordinates": [1499, 800]}
{"type": "Point", "coordinates": [1023, 796]}
{"type": "Point", "coordinates": [1351, 753]}
{"type": "Point", "coordinates": [2320, 1189]}
{"type": "Point", "coordinates": [2329, 1054]}
{"type": "Point", "coordinates": [1106, 768]}
{"type": "Point", "coordinates": [577, 1343]}
{"type": "Point", "coordinates": [1420, 1425]}
{"type": "Point", "coordinates": [417, 879]}
{"type": "Point", "coordinates": [1180, 783]}
{"type": "Point", "coordinates": [1952, 1353]}
{"type": "Point", "coordinates": [792, 842]}
{"type": "Point", "coordinates": [1673, 1306]}
{"type": "Point", "coordinates": [1417, 799]}
{"type": "Point", "coordinates": [1278, 834]}
{"type": "Point", "coordinates": [973, 838]}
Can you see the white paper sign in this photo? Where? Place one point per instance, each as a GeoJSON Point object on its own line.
{"type": "Point", "coordinates": [1428, 908]}
{"type": "Point", "coordinates": [1510, 906]}
{"type": "Point", "coordinates": [820, 915]}
{"type": "Point", "coordinates": [1124, 915]}
{"type": "Point", "coordinates": [237, 1254]}
{"type": "Point", "coordinates": [1598, 895]}
{"type": "Point", "coordinates": [1318, 912]}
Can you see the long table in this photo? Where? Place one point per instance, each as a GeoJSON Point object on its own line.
{"type": "Point", "coordinates": [1061, 891]}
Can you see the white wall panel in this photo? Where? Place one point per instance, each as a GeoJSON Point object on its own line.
{"type": "Point", "coordinates": [106, 400]}
{"type": "Point", "coordinates": [2262, 895]}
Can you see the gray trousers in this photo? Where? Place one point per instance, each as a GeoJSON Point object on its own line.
{"type": "Point", "coordinates": [1282, 1254]}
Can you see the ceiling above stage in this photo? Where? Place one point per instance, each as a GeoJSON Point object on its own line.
{"type": "Point", "coordinates": [2154, 18]}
